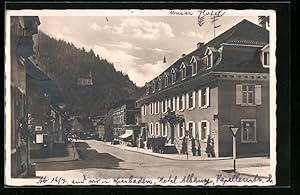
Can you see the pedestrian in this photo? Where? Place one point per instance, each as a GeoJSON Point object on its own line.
{"type": "Point", "coordinates": [209, 146]}
{"type": "Point", "coordinates": [193, 146]}
{"type": "Point", "coordinates": [184, 146]}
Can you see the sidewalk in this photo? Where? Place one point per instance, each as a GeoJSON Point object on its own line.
{"type": "Point", "coordinates": [262, 171]}
{"type": "Point", "coordinates": [167, 156]}
{"type": "Point", "coordinates": [71, 155]}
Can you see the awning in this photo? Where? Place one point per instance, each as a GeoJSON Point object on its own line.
{"type": "Point", "coordinates": [125, 135]}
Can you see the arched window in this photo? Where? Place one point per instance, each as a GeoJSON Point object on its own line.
{"type": "Point", "coordinates": [159, 83]}
{"type": "Point", "coordinates": [208, 57]}
{"type": "Point", "coordinates": [183, 71]}
{"type": "Point", "coordinates": [166, 79]}
{"type": "Point", "coordinates": [153, 86]}
{"type": "Point", "coordinates": [173, 75]}
{"type": "Point", "coordinates": [194, 66]}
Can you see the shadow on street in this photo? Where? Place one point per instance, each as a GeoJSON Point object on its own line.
{"type": "Point", "coordinates": [89, 158]}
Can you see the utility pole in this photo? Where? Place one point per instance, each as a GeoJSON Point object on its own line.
{"type": "Point", "coordinates": [213, 21]}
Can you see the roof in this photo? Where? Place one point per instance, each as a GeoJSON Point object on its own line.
{"type": "Point", "coordinates": [41, 79]}
{"type": "Point", "coordinates": [227, 57]}
{"type": "Point", "coordinates": [244, 32]}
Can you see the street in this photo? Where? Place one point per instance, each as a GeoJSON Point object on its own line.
{"type": "Point", "coordinates": [100, 160]}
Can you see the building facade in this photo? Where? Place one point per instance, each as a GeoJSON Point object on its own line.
{"type": "Point", "coordinates": [221, 84]}
{"type": "Point", "coordinates": [126, 119]}
{"type": "Point", "coordinates": [21, 31]}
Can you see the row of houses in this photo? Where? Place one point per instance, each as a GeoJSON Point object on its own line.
{"type": "Point", "coordinates": [37, 115]}
{"type": "Point", "coordinates": [222, 83]}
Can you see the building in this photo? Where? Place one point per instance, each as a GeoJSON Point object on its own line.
{"type": "Point", "coordinates": [108, 125]}
{"type": "Point", "coordinates": [45, 104]}
{"type": "Point", "coordinates": [85, 80]}
{"type": "Point", "coordinates": [21, 44]}
{"type": "Point", "coordinates": [222, 83]}
{"type": "Point", "coordinates": [126, 119]}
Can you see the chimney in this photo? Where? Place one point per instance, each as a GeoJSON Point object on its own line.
{"type": "Point", "coordinates": [182, 55]}
{"type": "Point", "coordinates": [200, 44]}
{"type": "Point", "coordinates": [263, 20]}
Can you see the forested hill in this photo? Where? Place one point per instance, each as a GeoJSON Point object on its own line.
{"type": "Point", "coordinates": [65, 63]}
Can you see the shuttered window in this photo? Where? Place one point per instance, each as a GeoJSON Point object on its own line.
{"type": "Point", "coordinates": [248, 94]}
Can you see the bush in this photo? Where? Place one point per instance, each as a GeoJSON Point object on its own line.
{"type": "Point", "coordinates": [158, 144]}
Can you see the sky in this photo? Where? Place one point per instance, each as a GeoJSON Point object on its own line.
{"type": "Point", "coordinates": [136, 45]}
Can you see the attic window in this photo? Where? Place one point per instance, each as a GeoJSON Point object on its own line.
{"type": "Point", "coordinates": [147, 89]}
{"type": "Point", "coordinates": [183, 71]}
{"type": "Point", "coordinates": [159, 84]}
{"type": "Point", "coordinates": [194, 66]}
{"type": "Point", "coordinates": [166, 80]}
{"type": "Point", "coordinates": [209, 58]}
{"type": "Point", "coordinates": [265, 56]}
{"type": "Point", "coordinates": [173, 74]}
{"type": "Point", "coordinates": [154, 87]}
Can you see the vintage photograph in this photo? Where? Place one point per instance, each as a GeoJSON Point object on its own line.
{"type": "Point", "coordinates": [140, 97]}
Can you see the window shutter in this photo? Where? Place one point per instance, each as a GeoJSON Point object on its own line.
{"type": "Point", "coordinates": [183, 102]}
{"type": "Point", "coordinates": [208, 128]}
{"type": "Point", "coordinates": [207, 96]}
{"type": "Point", "coordinates": [258, 94]}
{"type": "Point", "coordinates": [194, 130]}
{"type": "Point", "coordinates": [199, 97]}
{"type": "Point", "coordinates": [194, 99]}
{"type": "Point", "coordinates": [174, 103]}
{"type": "Point", "coordinates": [187, 101]}
{"type": "Point", "coordinates": [177, 106]}
{"type": "Point", "coordinates": [238, 94]}
{"type": "Point", "coordinates": [199, 130]}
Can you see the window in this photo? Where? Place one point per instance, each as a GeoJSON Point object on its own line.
{"type": "Point", "coordinates": [166, 80]}
{"type": "Point", "coordinates": [204, 130]}
{"type": "Point", "coordinates": [209, 60]}
{"type": "Point", "coordinates": [194, 67]}
{"type": "Point", "coordinates": [157, 129]}
{"type": "Point", "coordinates": [144, 110]}
{"type": "Point", "coordinates": [151, 128]}
{"type": "Point", "coordinates": [180, 102]}
{"type": "Point", "coordinates": [164, 129]}
{"type": "Point", "coordinates": [191, 100]}
{"type": "Point", "coordinates": [191, 129]}
{"type": "Point", "coordinates": [172, 104]}
{"type": "Point", "coordinates": [147, 89]}
{"type": "Point", "coordinates": [153, 87]}
{"type": "Point", "coordinates": [183, 71]}
{"type": "Point", "coordinates": [159, 83]}
{"type": "Point", "coordinates": [164, 106]}
{"type": "Point", "coordinates": [266, 58]}
{"type": "Point", "coordinates": [173, 75]}
{"type": "Point", "coordinates": [181, 130]}
{"type": "Point", "coordinates": [248, 94]}
{"type": "Point", "coordinates": [248, 130]}
{"type": "Point", "coordinates": [151, 108]}
{"type": "Point", "coordinates": [203, 95]}
{"type": "Point", "coordinates": [157, 107]}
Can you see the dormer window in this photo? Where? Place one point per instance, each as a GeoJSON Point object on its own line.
{"type": "Point", "coordinates": [159, 84]}
{"type": "Point", "coordinates": [208, 58]}
{"type": "Point", "coordinates": [153, 86]}
{"type": "Point", "coordinates": [166, 80]}
{"type": "Point", "coordinates": [173, 75]}
{"type": "Point", "coordinates": [265, 56]}
{"type": "Point", "coordinates": [147, 89]}
{"type": "Point", "coordinates": [194, 66]}
{"type": "Point", "coordinates": [183, 71]}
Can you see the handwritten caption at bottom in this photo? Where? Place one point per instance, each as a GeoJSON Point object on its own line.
{"type": "Point", "coordinates": [190, 179]}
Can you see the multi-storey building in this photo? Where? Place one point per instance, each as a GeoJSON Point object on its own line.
{"type": "Point", "coordinates": [222, 82]}
{"type": "Point", "coordinates": [21, 44]}
{"type": "Point", "coordinates": [126, 119]}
